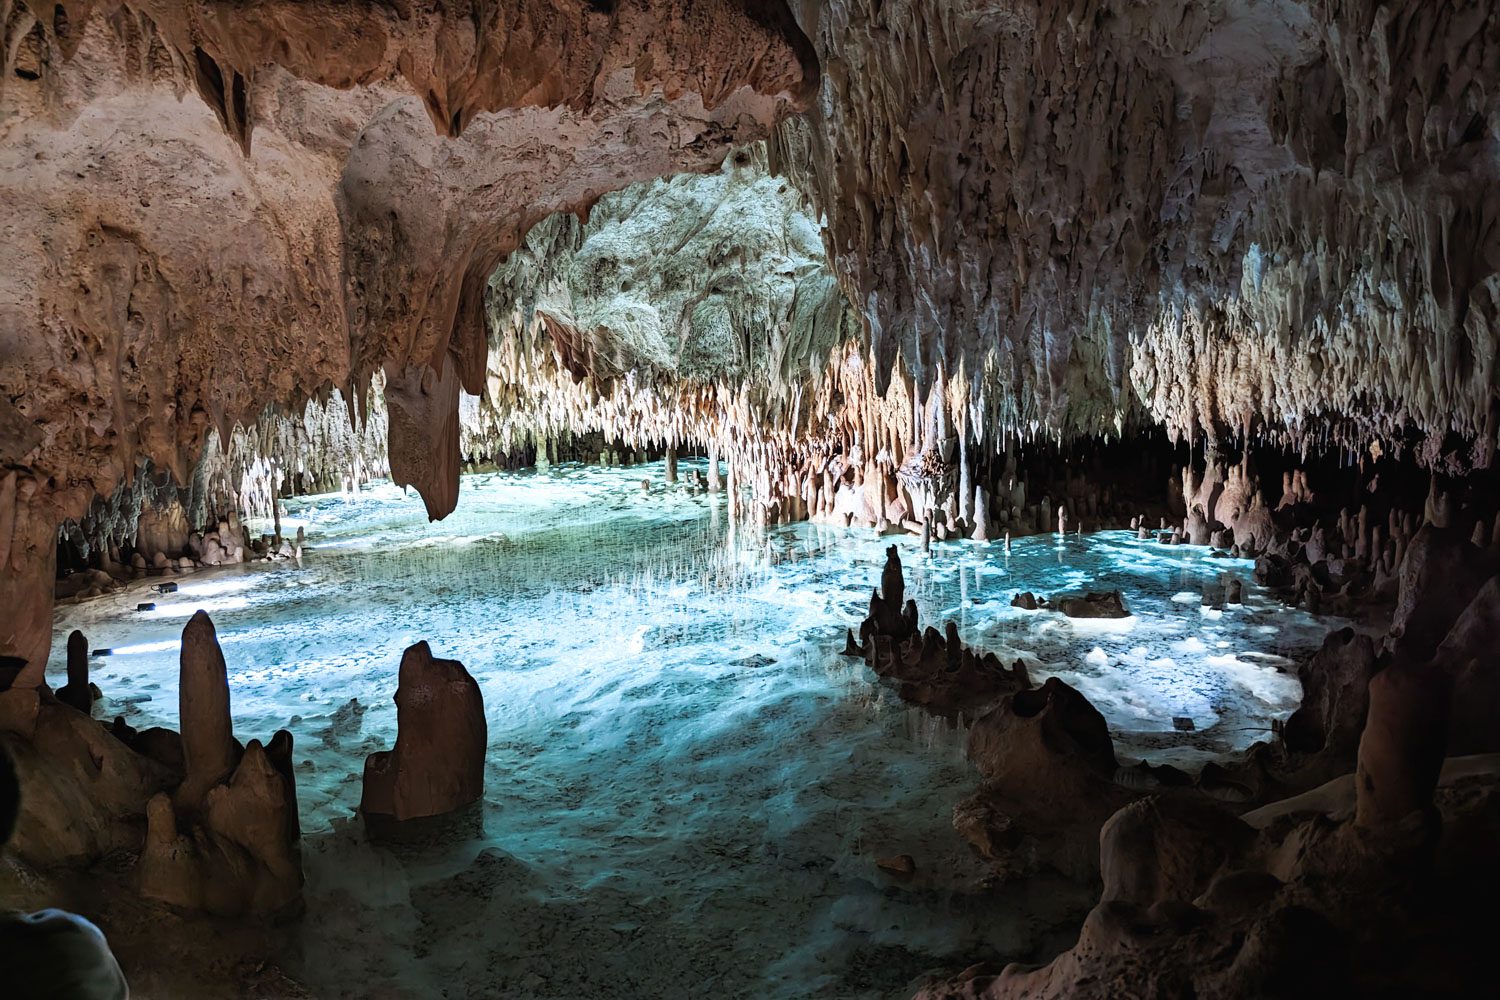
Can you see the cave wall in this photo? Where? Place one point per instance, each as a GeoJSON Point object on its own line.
{"type": "Point", "coordinates": [1264, 219]}
{"type": "Point", "coordinates": [217, 207]}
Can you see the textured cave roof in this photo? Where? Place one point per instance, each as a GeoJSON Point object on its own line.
{"type": "Point", "coordinates": [1252, 217]}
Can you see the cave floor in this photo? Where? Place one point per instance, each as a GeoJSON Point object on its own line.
{"type": "Point", "coordinates": [688, 786]}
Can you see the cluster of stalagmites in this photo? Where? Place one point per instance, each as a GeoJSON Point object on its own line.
{"type": "Point", "coordinates": [212, 822]}
{"type": "Point", "coordinates": [1347, 561]}
{"type": "Point", "coordinates": [166, 545]}
{"type": "Point", "coordinates": [1278, 875]}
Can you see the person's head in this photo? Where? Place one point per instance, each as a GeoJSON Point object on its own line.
{"type": "Point", "coordinates": [10, 796]}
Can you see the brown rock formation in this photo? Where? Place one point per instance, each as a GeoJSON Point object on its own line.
{"type": "Point", "coordinates": [1401, 750]}
{"type": "Point", "coordinates": [329, 205]}
{"type": "Point", "coordinates": [208, 746]}
{"type": "Point", "coordinates": [239, 855]}
{"type": "Point", "coordinates": [1440, 575]}
{"type": "Point", "coordinates": [225, 840]}
{"type": "Point", "coordinates": [77, 692]}
{"type": "Point", "coordinates": [1335, 696]}
{"type": "Point", "coordinates": [1048, 765]}
{"type": "Point", "coordinates": [931, 669]}
{"type": "Point", "coordinates": [437, 764]}
{"type": "Point", "coordinates": [84, 792]}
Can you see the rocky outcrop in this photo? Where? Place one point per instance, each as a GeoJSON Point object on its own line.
{"type": "Point", "coordinates": [1106, 604]}
{"type": "Point", "coordinates": [1335, 696]}
{"type": "Point", "coordinates": [1441, 574]}
{"type": "Point", "coordinates": [1467, 654]}
{"type": "Point", "coordinates": [931, 669]}
{"type": "Point", "coordinates": [1292, 899]}
{"type": "Point", "coordinates": [239, 854]}
{"type": "Point", "coordinates": [1323, 891]}
{"type": "Point", "coordinates": [437, 764]}
{"type": "Point", "coordinates": [1048, 765]}
{"type": "Point", "coordinates": [83, 792]}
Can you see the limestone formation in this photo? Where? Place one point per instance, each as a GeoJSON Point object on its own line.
{"type": "Point", "coordinates": [1048, 765]}
{"type": "Point", "coordinates": [208, 746]}
{"type": "Point", "coordinates": [77, 691]}
{"type": "Point", "coordinates": [960, 269]}
{"type": "Point", "coordinates": [1440, 575]}
{"type": "Point", "coordinates": [932, 669]}
{"type": "Point", "coordinates": [326, 183]}
{"type": "Point", "coordinates": [437, 764]}
{"type": "Point", "coordinates": [239, 855]}
{"type": "Point", "coordinates": [1173, 197]}
{"type": "Point", "coordinates": [84, 792]}
{"type": "Point", "coordinates": [1335, 697]}
{"type": "Point", "coordinates": [1108, 604]}
{"type": "Point", "coordinates": [225, 840]}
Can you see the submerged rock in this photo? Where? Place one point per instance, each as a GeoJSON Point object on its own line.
{"type": "Point", "coordinates": [897, 864]}
{"type": "Point", "coordinates": [1108, 604]}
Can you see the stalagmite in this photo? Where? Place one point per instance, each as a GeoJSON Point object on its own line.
{"type": "Point", "coordinates": [77, 692]}
{"type": "Point", "coordinates": [981, 515]}
{"type": "Point", "coordinates": [203, 708]}
{"type": "Point", "coordinates": [437, 764]}
{"type": "Point", "coordinates": [1401, 750]}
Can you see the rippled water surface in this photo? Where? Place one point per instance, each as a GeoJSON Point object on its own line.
{"type": "Point", "coordinates": [687, 785]}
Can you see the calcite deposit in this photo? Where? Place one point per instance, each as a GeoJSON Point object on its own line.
{"type": "Point", "coordinates": [213, 209]}
{"type": "Point", "coordinates": [437, 764]}
{"type": "Point", "coordinates": [1221, 271]}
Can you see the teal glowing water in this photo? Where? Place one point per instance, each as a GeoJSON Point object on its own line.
{"type": "Point", "coordinates": [687, 786]}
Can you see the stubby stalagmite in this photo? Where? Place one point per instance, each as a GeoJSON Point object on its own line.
{"type": "Point", "coordinates": [437, 764]}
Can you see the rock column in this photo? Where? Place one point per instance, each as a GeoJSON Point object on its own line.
{"type": "Point", "coordinates": [437, 765]}
{"type": "Point", "coordinates": [28, 570]}
{"type": "Point", "coordinates": [715, 484]}
{"type": "Point", "coordinates": [76, 692]}
{"type": "Point", "coordinates": [1405, 738]}
{"type": "Point", "coordinates": [203, 706]}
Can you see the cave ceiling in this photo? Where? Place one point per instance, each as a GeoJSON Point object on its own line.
{"type": "Point", "coordinates": [1230, 217]}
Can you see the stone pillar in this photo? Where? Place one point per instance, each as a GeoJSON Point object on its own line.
{"type": "Point", "coordinates": [76, 692]}
{"type": "Point", "coordinates": [715, 484]}
{"type": "Point", "coordinates": [28, 570]}
{"type": "Point", "coordinates": [981, 515]}
{"type": "Point", "coordinates": [203, 709]}
{"type": "Point", "coordinates": [1402, 747]}
{"type": "Point", "coordinates": [671, 462]}
{"type": "Point", "coordinates": [437, 764]}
